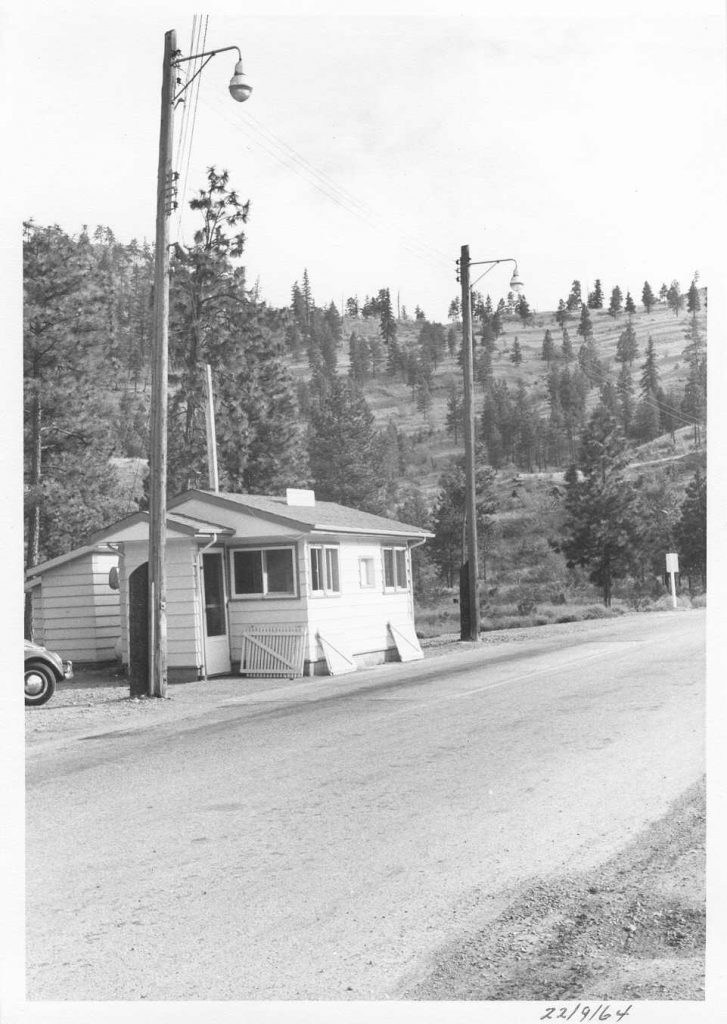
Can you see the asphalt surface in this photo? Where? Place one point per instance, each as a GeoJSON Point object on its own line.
{"type": "Point", "coordinates": [322, 840]}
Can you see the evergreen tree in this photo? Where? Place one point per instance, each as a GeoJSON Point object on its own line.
{"type": "Point", "coordinates": [447, 522]}
{"type": "Point", "coordinates": [359, 359]}
{"type": "Point", "coordinates": [516, 355]}
{"type": "Point", "coordinates": [602, 529]}
{"type": "Point", "coordinates": [308, 302]}
{"type": "Point", "coordinates": [627, 348]}
{"type": "Point", "coordinates": [647, 421]}
{"type": "Point", "coordinates": [574, 299]}
{"type": "Point", "coordinates": [455, 412]}
{"type": "Point", "coordinates": [70, 487]}
{"type": "Point", "coordinates": [548, 349]}
{"type": "Point", "coordinates": [523, 310]}
{"type": "Point", "coordinates": [625, 392]}
{"type": "Point", "coordinates": [566, 347]}
{"type": "Point", "coordinates": [455, 310]}
{"type": "Point", "coordinates": [451, 341]}
{"type": "Point", "coordinates": [629, 304]}
{"type": "Point", "coordinates": [212, 320]}
{"type": "Point", "coordinates": [694, 403]}
{"type": "Point", "coordinates": [387, 321]}
{"type": "Point", "coordinates": [344, 449]}
{"type": "Point", "coordinates": [647, 297]}
{"type": "Point", "coordinates": [595, 298]}
{"type": "Point", "coordinates": [693, 302]}
{"type": "Point", "coordinates": [674, 298]}
{"type": "Point", "coordinates": [691, 530]}
{"type": "Point", "coordinates": [649, 373]}
{"type": "Point", "coordinates": [419, 313]}
{"type": "Point", "coordinates": [352, 307]}
{"type": "Point", "coordinates": [663, 291]}
{"type": "Point", "coordinates": [585, 327]}
{"type": "Point", "coordinates": [615, 306]}
{"type": "Point", "coordinates": [562, 314]}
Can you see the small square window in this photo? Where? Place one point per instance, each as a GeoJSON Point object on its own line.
{"type": "Point", "coordinates": [366, 572]}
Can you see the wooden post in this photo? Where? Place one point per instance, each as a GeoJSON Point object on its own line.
{"type": "Point", "coordinates": [214, 478]}
{"type": "Point", "coordinates": [158, 452]}
{"type": "Point", "coordinates": [469, 449]}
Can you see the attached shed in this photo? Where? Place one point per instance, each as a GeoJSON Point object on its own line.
{"type": "Point", "coordinates": [75, 610]}
{"type": "Point", "coordinates": [267, 585]}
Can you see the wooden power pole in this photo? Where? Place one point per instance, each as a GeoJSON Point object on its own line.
{"type": "Point", "coordinates": [158, 452]}
{"type": "Point", "coordinates": [469, 450]}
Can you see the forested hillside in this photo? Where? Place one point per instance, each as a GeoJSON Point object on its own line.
{"type": "Point", "coordinates": [591, 413]}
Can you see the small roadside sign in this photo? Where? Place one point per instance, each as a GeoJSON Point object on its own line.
{"type": "Point", "coordinates": [672, 562]}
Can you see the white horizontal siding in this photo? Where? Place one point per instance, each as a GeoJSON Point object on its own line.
{"type": "Point", "coordinates": [80, 611]}
{"type": "Point", "coordinates": [184, 641]}
{"type": "Point", "coordinates": [360, 615]}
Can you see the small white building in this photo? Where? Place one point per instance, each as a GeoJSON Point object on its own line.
{"type": "Point", "coordinates": [272, 585]}
{"type": "Point", "coordinates": [75, 610]}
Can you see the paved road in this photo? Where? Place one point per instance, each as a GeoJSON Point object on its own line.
{"type": "Point", "coordinates": [320, 841]}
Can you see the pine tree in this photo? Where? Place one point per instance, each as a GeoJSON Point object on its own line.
{"type": "Point", "coordinates": [649, 373]}
{"type": "Point", "coordinates": [523, 310]}
{"type": "Point", "coordinates": [454, 417]}
{"type": "Point", "coordinates": [344, 449]}
{"type": "Point", "coordinates": [629, 305]}
{"type": "Point", "coordinates": [663, 291]}
{"type": "Point", "coordinates": [694, 403]}
{"type": "Point", "coordinates": [574, 299]}
{"type": "Point", "coordinates": [627, 348]}
{"type": "Point", "coordinates": [693, 302]}
{"type": "Point", "coordinates": [562, 313]}
{"type": "Point", "coordinates": [447, 521]}
{"type": "Point", "coordinates": [566, 347]}
{"type": "Point", "coordinates": [70, 487]}
{"type": "Point", "coordinates": [615, 306]}
{"type": "Point", "coordinates": [455, 310]}
{"type": "Point", "coordinates": [603, 519]}
{"type": "Point", "coordinates": [548, 349]}
{"type": "Point", "coordinates": [691, 530]}
{"type": "Point", "coordinates": [674, 298]}
{"type": "Point", "coordinates": [625, 392]}
{"type": "Point", "coordinates": [585, 327]}
{"type": "Point", "coordinates": [516, 355]}
{"type": "Point", "coordinates": [595, 298]}
{"type": "Point", "coordinates": [647, 297]}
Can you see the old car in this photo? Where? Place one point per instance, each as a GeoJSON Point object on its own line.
{"type": "Point", "coordinates": [43, 669]}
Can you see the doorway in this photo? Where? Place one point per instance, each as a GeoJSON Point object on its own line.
{"type": "Point", "coordinates": [214, 599]}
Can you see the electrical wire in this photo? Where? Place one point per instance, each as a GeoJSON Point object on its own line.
{"type": "Point", "coordinates": [288, 157]}
{"type": "Point", "coordinates": [200, 47]}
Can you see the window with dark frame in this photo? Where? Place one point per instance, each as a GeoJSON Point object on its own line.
{"type": "Point", "coordinates": [263, 572]}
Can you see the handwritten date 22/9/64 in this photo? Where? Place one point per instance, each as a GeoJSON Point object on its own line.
{"type": "Point", "coordinates": [583, 1012]}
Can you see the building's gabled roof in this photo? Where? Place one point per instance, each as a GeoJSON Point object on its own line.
{"type": "Point", "coordinates": [321, 517]}
{"type": "Point", "coordinates": [52, 563]}
{"type": "Point", "coordinates": [178, 522]}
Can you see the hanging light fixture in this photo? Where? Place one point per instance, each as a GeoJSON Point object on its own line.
{"type": "Point", "coordinates": [516, 284]}
{"type": "Point", "coordinates": [239, 89]}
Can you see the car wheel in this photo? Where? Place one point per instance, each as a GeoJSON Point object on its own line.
{"type": "Point", "coordinates": [40, 684]}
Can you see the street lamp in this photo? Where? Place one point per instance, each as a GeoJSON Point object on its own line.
{"type": "Point", "coordinates": [166, 189]}
{"type": "Point", "coordinates": [470, 630]}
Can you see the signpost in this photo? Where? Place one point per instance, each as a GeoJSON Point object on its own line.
{"type": "Point", "coordinates": [672, 568]}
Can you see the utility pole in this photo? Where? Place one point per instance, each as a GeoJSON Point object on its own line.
{"type": "Point", "coordinates": [214, 478]}
{"type": "Point", "coordinates": [158, 452]}
{"type": "Point", "coordinates": [469, 449]}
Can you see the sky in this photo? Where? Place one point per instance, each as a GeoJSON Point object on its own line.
{"type": "Point", "coordinates": [581, 142]}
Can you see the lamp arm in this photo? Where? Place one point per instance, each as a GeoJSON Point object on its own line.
{"type": "Point", "coordinates": [209, 54]}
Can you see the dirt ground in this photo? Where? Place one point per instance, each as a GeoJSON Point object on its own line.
{"type": "Point", "coordinates": [633, 929]}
